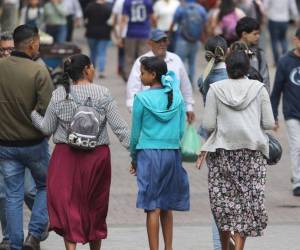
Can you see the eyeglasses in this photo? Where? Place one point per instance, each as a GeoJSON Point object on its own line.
{"type": "Point", "coordinates": [7, 49]}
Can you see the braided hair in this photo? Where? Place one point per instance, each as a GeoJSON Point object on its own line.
{"type": "Point", "coordinates": [160, 68]}
{"type": "Point", "coordinates": [73, 70]}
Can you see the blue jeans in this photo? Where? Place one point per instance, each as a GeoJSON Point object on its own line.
{"type": "Point", "coordinates": [187, 52]}
{"type": "Point", "coordinates": [278, 32]}
{"type": "Point", "coordinates": [13, 161]}
{"type": "Point", "coordinates": [216, 236]}
{"type": "Point", "coordinates": [98, 50]}
{"type": "Point", "coordinates": [30, 192]}
{"type": "Point", "coordinates": [58, 32]}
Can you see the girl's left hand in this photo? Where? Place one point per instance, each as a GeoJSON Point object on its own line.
{"type": "Point", "coordinates": [132, 169]}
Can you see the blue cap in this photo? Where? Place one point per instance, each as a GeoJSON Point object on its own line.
{"type": "Point", "coordinates": [157, 35]}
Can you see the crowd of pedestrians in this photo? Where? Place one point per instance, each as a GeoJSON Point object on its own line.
{"type": "Point", "coordinates": [68, 191]}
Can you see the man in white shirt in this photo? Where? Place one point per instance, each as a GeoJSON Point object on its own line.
{"type": "Point", "coordinates": [74, 16]}
{"type": "Point", "coordinates": [159, 43]}
{"type": "Point", "coordinates": [279, 13]}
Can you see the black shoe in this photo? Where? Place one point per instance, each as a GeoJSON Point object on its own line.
{"type": "Point", "coordinates": [31, 243]}
{"type": "Point", "coordinates": [4, 245]}
{"type": "Point", "coordinates": [296, 191]}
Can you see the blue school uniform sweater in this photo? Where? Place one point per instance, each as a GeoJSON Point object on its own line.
{"type": "Point", "coordinates": [153, 125]}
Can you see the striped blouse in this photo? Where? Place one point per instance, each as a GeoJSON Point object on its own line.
{"type": "Point", "coordinates": [60, 112]}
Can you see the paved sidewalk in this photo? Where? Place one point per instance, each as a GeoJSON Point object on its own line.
{"type": "Point", "coordinates": [188, 238]}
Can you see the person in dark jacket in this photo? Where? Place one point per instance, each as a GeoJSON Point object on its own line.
{"type": "Point", "coordinates": [24, 85]}
{"type": "Point", "coordinates": [287, 84]}
{"type": "Point", "coordinates": [98, 31]}
{"type": "Point", "coordinates": [248, 31]}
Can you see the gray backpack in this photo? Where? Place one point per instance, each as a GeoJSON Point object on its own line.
{"type": "Point", "coordinates": [84, 128]}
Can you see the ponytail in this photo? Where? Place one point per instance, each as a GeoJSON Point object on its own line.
{"type": "Point", "coordinates": [73, 70]}
{"type": "Point", "coordinates": [160, 68]}
{"type": "Point", "coordinates": [170, 98]}
{"type": "Point", "coordinates": [64, 80]}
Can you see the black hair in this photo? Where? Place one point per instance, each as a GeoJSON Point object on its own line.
{"type": "Point", "coordinates": [160, 68]}
{"type": "Point", "coordinates": [73, 69]}
{"type": "Point", "coordinates": [246, 24]}
{"type": "Point", "coordinates": [237, 64]}
{"type": "Point", "coordinates": [24, 32]}
{"type": "Point", "coordinates": [252, 72]}
{"type": "Point", "coordinates": [6, 36]}
{"type": "Point", "coordinates": [212, 44]}
{"type": "Point", "coordinates": [225, 8]}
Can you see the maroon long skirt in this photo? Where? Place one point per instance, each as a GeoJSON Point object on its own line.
{"type": "Point", "coordinates": [78, 192]}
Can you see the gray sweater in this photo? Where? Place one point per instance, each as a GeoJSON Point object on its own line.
{"type": "Point", "coordinates": [236, 114]}
{"type": "Point", "coordinates": [61, 110]}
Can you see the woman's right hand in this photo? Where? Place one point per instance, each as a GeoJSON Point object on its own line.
{"type": "Point", "coordinates": [132, 169]}
{"type": "Point", "coordinates": [201, 159]}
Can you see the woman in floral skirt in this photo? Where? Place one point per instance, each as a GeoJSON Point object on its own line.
{"type": "Point", "coordinates": [237, 112]}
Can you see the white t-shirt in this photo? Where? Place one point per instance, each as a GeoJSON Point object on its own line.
{"type": "Point", "coordinates": [281, 10]}
{"type": "Point", "coordinates": [164, 11]}
{"type": "Point", "coordinates": [118, 10]}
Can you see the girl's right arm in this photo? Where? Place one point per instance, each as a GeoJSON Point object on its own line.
{"type": "Point", "coordinates": [136, 126]}
{"type": "Point", "coordinates": [48, 123]}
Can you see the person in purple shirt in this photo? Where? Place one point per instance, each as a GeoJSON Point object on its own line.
{"type": "Point", "coordinates": [138, 17]}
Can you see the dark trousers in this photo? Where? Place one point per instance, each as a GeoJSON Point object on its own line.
{"type": "Point", "coordinates": [70, 27]}
{"type": "Point", "coordinates": [278, 32]}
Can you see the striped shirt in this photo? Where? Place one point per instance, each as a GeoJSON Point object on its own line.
{"type": "Point", "coordinates": [60, 112]}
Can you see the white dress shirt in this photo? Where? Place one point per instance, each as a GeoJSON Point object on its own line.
{"type": "Point", "coordinates": [280, 10]}
{"type": "Point", "coordinates": [174, 63]}
{"type": "Point", "coordinates": [73, 7]}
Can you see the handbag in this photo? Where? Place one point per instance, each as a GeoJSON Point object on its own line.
{"type": "Point", "coordinates": [275, 150]}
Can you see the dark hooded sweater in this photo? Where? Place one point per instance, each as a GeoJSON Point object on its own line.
{"type": "Point", "coordinates": [287, 83]}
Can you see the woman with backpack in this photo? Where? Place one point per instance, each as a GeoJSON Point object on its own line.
{"type": "Point", "coordinates": [79, 174]}
{"type": "Point", "coordinates": [158, 121]}
{"type": "Point", "coordinates": [224, 20]}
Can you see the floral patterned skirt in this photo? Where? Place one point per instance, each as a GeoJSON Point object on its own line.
{"type": "Point", "coordinates": [236, 183]}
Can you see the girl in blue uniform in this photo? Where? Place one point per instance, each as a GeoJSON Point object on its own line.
{"type": "Point", "coordinates": [158, 121]}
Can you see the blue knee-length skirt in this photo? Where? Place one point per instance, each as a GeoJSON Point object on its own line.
{"type": "Point", "coordinates": [162, 181]}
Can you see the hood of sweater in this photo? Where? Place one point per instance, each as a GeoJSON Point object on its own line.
{"type": "Point", "coordinates": [237, 93]}
{"type": "Point", "coordinates": [293, 55]}
{"type": "Point", "coordinates": [156, 100]}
